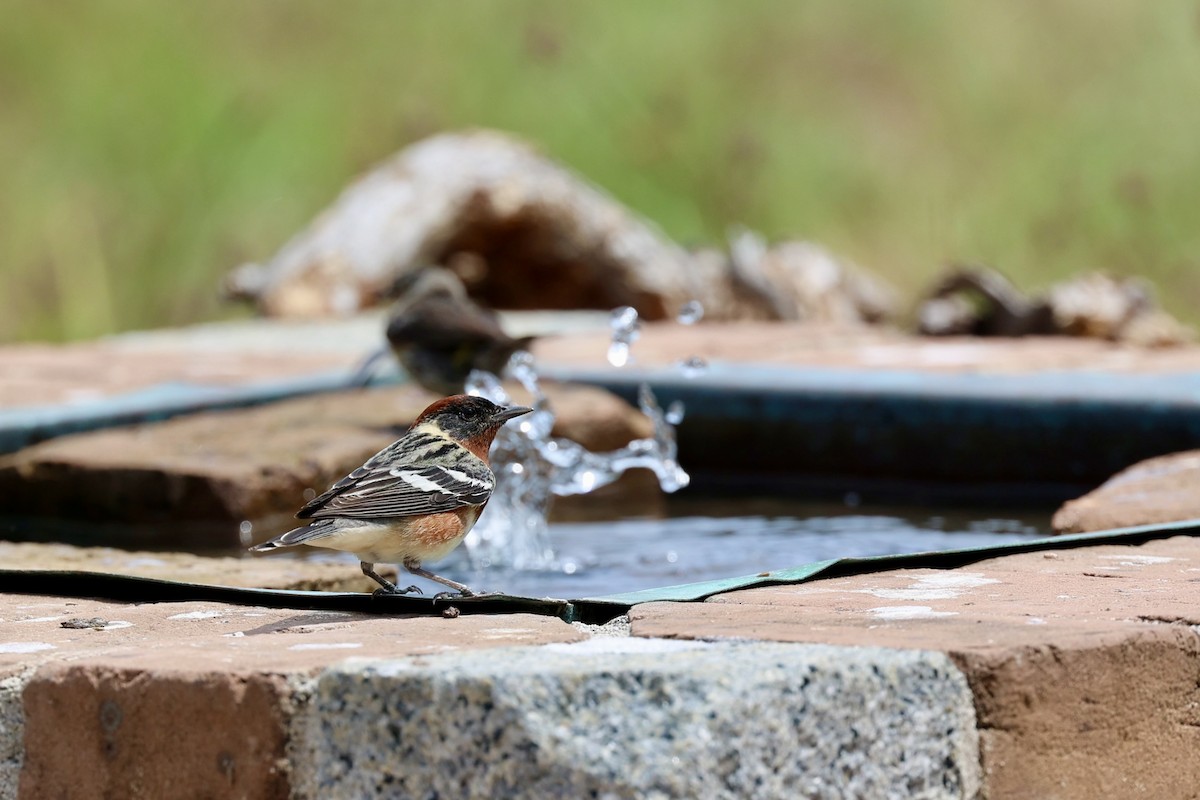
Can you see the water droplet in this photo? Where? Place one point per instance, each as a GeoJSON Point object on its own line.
{"type": "Point", "coordinates": [309, 494]}
{"type": "Point", "coordinates": [618, 354]}
{"type": "Point", "coordinates": [852, 500]}
{"type": "Point", "coordinates": [624, 324]}
{"type": "Point", "coordinates": [521, 359]}
{"type": "Point", "coordinates": [623, 319]}
{"type": "Point", "coordinates": [693, 367]}
{"type": "Point", "coordinates": [245, 531]}
{"type": "Point", "coordinates": [672, 556]}
{"type": "Point", "coordinates": [516, 469]}
{"type": "Point", "coordinates": [675, 412]}
{"type": "Point", "coordinates": [570, 567]}
{"type": "Point", "coordinates": [691, 313]}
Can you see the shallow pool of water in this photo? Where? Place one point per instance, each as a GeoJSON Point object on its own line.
{"type": "Point", "coordinates": [702, 540]}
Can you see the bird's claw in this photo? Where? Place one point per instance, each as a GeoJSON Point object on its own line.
{"type": "Point", "coordinates": [462, 594]}
{"type": "Point", "coordinates": [396, 590]}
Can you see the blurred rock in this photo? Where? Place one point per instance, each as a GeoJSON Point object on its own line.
{"type": "Point", "coordinates": [980, 301]}
{"type": "Point", "coordinates": [1157, 490]}
{"type": "Point", "coordinates": [194, 480]}
{"type": "Point", "coordinates": [520, 229]}
{"type": "Point", "coordinates": [795, 280]}
{"type": "Point", "coordinates": [523, 232]}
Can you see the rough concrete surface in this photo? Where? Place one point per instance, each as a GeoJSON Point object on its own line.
{"type": "Point", "coordinates": [12, 729]}
{"type": "Point", "coordinates": [619, 718]}
{"type": "Point", "coordinates": [1084, 663]}
{"type": "Point", "coordinates": [206, 473]}
{"type": "Point", "coordinates": [1159, 489]}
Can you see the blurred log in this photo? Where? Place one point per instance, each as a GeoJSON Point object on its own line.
{"type": "Point", "coordinates": [523, 232]}
{"type": "Point", "coordinates": [527, 232]}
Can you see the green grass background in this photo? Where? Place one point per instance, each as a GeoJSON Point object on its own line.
{"type": "Point", "coordinates": [147, 147]}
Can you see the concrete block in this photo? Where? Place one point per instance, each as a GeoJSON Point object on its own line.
{"type": "Point", "coordinates": [630, 718]}
{"type": "Point", "coordinates": [12, 731]}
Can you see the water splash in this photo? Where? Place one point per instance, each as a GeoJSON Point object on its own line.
{"type": "Point", "coordinates": [693, 367]}
{"type": "Point", "coordinates": [691, 313]}
{"type": "Point", "coordinates": [625, 328]}
{"type": "Point", "coordinates": [532, 467]}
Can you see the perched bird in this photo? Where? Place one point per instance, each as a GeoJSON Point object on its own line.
{"type": "Point", "coordinates": [439, 334]}
{"type": "Point", "coordinates": [414, 500]}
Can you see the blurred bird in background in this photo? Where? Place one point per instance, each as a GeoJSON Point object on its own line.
{"type": "Point", "coordinates": [438, 334]}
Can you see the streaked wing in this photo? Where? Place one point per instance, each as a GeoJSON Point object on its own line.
{"type": "Point", "coordinates": [402, 491]}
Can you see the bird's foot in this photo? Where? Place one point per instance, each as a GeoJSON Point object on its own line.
{"type": "Point", "coordinates": [394, 589]}
{"type": "Point", "coordinates": [461, 594]}
{"type": "Point", "coordinates": [453, 595]}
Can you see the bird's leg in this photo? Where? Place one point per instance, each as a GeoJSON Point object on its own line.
{"type": "Point", "coordinates": [368, 569]}
{"type": "Point", "coordinates": [415, 569]}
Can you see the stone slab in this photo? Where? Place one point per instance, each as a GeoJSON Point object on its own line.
{"type": "Point", "coordinates": [1157, 490]}
{"type": "Point", "coordinates": [204, 636]}
{"type": "Point", "coordinates": [193, 480]}
{"type": "Point", "coordinates": [54, 390]}
{"type": "Point", "coordinates": [616, 718]}
{"type": "Point", "coordinates": [305, 574]}
{"type": "Point", "coordinates": [869, 348]}
{"type": "Point", "coordinates": [147, 698]}
{"type": "Point", "coordinates": [1084, 663]}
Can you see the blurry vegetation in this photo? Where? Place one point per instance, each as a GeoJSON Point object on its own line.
{"type": "Point", "coordinates": [148, 147]}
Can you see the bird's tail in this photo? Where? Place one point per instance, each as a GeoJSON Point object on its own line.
{"type": "Point", "coordinates": [313, 530]}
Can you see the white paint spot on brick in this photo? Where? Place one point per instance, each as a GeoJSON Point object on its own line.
{"type": "Point", "coordinates": [1138, 561]}
{"type": "Point", "coordinates": [24, 647]}
{"type": "Point", "coordinates": [116, 624]}
{"type": "Point", "coordinates": [909, 612]}
{"type": "Point", "coordinates": [198, 615]}
{"type": "Point", "coordinates": [945, 586]}
{"type": "Point", "coordinates": [1035, 621]}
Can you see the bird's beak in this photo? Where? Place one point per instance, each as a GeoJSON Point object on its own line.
{"type": "Point", "coordinates": [505, 414]}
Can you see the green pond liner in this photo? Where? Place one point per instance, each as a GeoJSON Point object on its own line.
{"type": "Point", "coordinates": [592, 610]}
